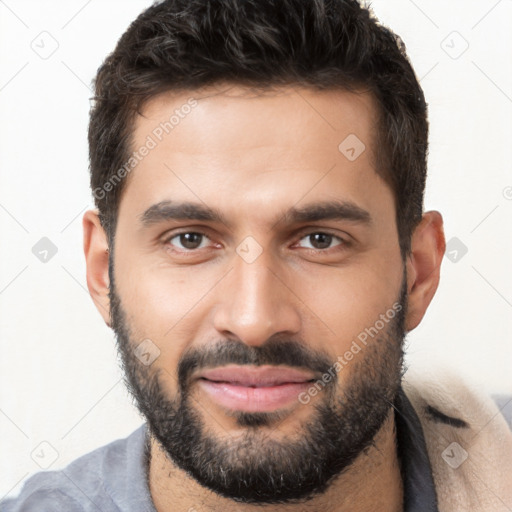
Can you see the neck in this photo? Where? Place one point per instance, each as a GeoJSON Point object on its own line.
{"type": "Point", "coordinates": [372, 483]}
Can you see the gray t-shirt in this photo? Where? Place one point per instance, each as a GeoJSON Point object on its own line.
{"type": "Point", "coordinates": [109, 479]}
{"type": "Point", "coordinates": [114, 478]}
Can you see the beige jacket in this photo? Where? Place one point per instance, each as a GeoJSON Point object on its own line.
{"type": "Point", "coordinates": [469, 443]}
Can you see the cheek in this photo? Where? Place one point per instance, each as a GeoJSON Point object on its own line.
{"type": "Point", "coordinates": [164, 304]}
{"type": "Point", "coordinates": [346, 301]}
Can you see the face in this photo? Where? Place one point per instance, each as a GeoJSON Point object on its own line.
{"type": "Point", "coordinates": [257, 287]}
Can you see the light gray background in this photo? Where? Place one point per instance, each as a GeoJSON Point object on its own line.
{"type": "Point", "coordinates": [59, 379]}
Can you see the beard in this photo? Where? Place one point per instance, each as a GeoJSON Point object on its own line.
{"type": "Point", "coordinates": [254, 466]}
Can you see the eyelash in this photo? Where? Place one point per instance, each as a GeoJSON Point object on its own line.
{"type": "Point", "coordinates": [344, 243]}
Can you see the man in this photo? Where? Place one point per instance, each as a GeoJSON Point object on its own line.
{"type": "Point", "coordinates": [260, 250]}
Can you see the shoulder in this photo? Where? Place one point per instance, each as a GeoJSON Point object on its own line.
{"type": "Point", "coordinates": [87, 484]}
{"type": "Point", "coordinates": [44, 498]}
{"type": "Point", "coordinates": [442, 396]}
{"type": "Point", "coordinates": [468, 439]}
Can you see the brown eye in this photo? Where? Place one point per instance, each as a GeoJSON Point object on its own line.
{"type": "Point", "coordinates": [320, 240]}
{"type": "Point", "coordinates": [189, 240]}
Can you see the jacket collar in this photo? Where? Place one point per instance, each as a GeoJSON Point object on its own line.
{"type": "Point", "coordinates": [418, 483]}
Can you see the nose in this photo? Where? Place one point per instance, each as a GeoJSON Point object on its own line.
{"type": "Point", "coordinates": [256, 302]}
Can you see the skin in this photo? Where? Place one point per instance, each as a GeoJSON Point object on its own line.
{"type": "Point", "coordinates": [253, 157]}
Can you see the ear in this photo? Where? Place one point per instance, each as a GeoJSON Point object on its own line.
{"type": "Point", "coordinates": [96, 259]}
{"type": "Point", "coordinates": [423, 266]}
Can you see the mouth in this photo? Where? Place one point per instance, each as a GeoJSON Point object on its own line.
{"type": "Point", "coordinates": [254, 388]}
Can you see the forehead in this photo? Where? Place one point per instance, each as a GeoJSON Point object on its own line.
{"type": "Point", "coordinates": [237, 116]}
{"type": "Point", "coordinates": [232, 144]}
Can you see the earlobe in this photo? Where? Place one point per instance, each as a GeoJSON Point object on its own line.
{"type": "Point", "coordinates": [423, 266]}
{"type": "Point", "coordinates": [97, 261]}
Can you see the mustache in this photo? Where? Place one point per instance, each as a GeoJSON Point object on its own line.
{"type": "Point", "coordinates": [273, 352]}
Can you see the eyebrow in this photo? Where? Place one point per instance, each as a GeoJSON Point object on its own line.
{"type": "Point", "coordinates": [169, 210]}
{"type": "Point", "coordinates": [325, 210]}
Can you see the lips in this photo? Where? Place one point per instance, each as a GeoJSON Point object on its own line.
{"type": "Point", "coordinates": [254, 388]}
{"type": "Point", "coordinates": [259, 376]}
